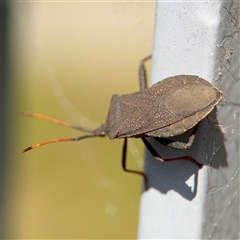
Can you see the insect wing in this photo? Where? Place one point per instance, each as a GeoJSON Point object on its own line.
{"type": "Point", "coordinates": [165, 103]}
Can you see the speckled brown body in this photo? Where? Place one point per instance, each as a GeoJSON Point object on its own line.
{"type": "Point", "coordinates": [168, 108]}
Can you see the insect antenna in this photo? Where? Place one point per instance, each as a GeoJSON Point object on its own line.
{"type": "Point", "coordinates": [92, 133]}
{"type": "Point", "coordinates": [55, 121]}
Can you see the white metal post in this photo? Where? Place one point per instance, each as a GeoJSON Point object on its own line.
{"type": "Point", "coordinates": [184, 202]}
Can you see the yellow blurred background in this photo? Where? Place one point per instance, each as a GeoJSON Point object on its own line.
{"type": "Point", "coordinates": [66, 60]}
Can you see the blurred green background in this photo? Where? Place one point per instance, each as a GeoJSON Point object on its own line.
{"type": "Point", "coordinates": [66, 60]}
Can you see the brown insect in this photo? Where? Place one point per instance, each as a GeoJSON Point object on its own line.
{"type": "Point", "coordinates": [168, 108]}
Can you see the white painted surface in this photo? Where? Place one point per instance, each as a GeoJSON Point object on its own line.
{"type": "Point", "coordinates": [185, 202]}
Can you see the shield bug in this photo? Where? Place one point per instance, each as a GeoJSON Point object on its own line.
{"type": "Point", "coordinates": [166, 109]}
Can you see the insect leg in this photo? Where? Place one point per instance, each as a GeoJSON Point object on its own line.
{"type": "Point", "coordinates": [177, 144]}
{"type": "Point", "coordinates": [124, 157]}
{"type": "Point", "coordinates": [159, 158]}
{"type": "Point", "coordinates": [142, 72]}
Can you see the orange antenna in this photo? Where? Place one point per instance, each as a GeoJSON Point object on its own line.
{"type": "Point", "coordinates": [93, 133]}
{"type": "Point", "coordinates": [55, 121]}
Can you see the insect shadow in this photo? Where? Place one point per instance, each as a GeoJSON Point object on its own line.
{"type": "Point", "coordinates": [175, 175]}
{"type": "Point", "coordinates": [169, 181]}
{"type": "Point", "coordinates": [208, 148]}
